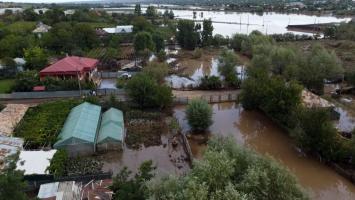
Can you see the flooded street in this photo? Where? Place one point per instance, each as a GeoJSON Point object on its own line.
{"type": "Point", "coordinates": [254, 130]}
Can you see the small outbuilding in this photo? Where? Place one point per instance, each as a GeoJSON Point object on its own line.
{"type": "Point", "coordinates": [80, 129]}
{"type": "Point", "coordinates": [111, 134]}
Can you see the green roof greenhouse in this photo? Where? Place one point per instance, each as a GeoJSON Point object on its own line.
{"type": "Point", "coordinates": [84, 128]}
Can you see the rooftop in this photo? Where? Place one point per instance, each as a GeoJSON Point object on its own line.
{"type": "Point", "coordinates": [81, 124]}
{"type": "Point", "coordinates": [112, 126]}
{"type": "Point", "coordinates": [34, 162]}
{"type": "Point", "coordinates": [70, 64]}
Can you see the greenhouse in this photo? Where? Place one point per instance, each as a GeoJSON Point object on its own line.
{"type": "Point", "coordinates": [79, 131]}
{"type": "Point", "coordinates": [111, 134]}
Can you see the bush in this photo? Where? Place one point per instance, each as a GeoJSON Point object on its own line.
{"type": "Point", "coordinates": [147, 93]}
{"type": "Point", "coordinates": [57, 163]}
{"type": "Point", "coordinates": [126, 186]}
{"type": "Point", "coordinates": [197, 53]}
{"type": "Point", "coordinates": [199, 115]}
{"type": "Point", "coordinates": [210, 83]}
{"type": "Point", "coordinates": [228, 171]}
{"type": "Point", "coordinates": [41, 124]}
{"type": "Point", "coordinates": [316, 133]}
{"type": "Point", "coordinates": [157, 71]}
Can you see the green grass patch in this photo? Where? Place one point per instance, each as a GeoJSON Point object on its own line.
{"type": "Point", "coordinates": [6, 85]}
{"type": "Point", "coordinates": [42, 124]}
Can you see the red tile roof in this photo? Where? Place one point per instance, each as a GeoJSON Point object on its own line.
{"type": "Point", "coordinates": [70, 65]}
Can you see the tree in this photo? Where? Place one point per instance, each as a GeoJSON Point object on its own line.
{"type": "Point", "coordinates": [13, 45]}
{"type": "Point", "coordinates": [53, 16]}
{"type": "Point", "coordinates": [84, 36]}
{"type": "Point", "coordinates": [316, 133]}
{"type": "Point", "coordinates": [158, 41]}
{"type": "Point", "coordinates": [25, 81]}
{"type": "Point", "coordinates": [125, 187]}
{"type": "Point", "coordinates": [151, 12]}
{"type": "Point", "coordinates": [146, 93]}
{"type": "Point", "coordinates": [29, 15]}
{"type": "Point", "coordinates": [227, 67]}
{"type": "Point", "coordinates": [210, 83]}
{"type": "Point", "coordinates": [35, 58]}
{"type": "Point", "coordinates": [143, 41]}
{"type": "Point", "coordinates": [57, 163]}
{"type": "Point", "coordinates": [236, 41]}
{"type": "Point", "coordinates": [187, 35]}
{"type": "Point", "coordinates": [140, 23]}
{"type": "Point", "coordinates": [207, 32]}
{"type": "Point", "coordinates": [320, 65]}
{"type": "Point", "coordinates": [229, 172]}
{"type": "Point", "coordinates": [12, 185]}
{"type": "Point", "coordinates": [157, 71]}
{"type": "Point", "coordinates": [59, 38]}
{"type": "Point", "coordinates": [199, 115]}
{"type": "Point", "coordinates": [137, 9]}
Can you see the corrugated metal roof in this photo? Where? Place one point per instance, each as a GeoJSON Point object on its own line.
{"type": "Point", "coordinates": [112, 126]}
{"type": "Point", "coordinates": [81, 124]}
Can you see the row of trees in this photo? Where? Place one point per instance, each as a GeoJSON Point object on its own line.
{"type": "Point", "coordinates": [227, 171]}
{"type": "Point", "coordinates": [310, 68]}
{"type": "Point", "coordinates": [280, 98]}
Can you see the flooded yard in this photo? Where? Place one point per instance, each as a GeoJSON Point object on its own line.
{"type": "Point", "coordinates": [191, 70]}
{"type": "Point", "coordinates": [256, 131]}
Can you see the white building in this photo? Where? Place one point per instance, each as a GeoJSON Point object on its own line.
{"type": "Point", "coordinates": [119, 29]}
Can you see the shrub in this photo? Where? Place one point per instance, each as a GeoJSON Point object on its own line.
{"type": "Point", "coordinates": [199, 115]}
{"type": "Point", "coordinates": [157, 71]}
{"type": "Point", "coordinates": [197, 53]}
{"type": "Point", "coordinates": [228, 171]}
{"type": "Point", "coordinates": [57, 163]}
{"type": "Point", "coordinates": [147, 93]}
{"type": "Point", "coordinates": [210, 83]}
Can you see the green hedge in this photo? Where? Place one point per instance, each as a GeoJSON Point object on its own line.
{"type": "Point", "coordinates": [42, 124]}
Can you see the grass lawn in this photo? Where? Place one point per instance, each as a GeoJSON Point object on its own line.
{"type": "Point", "coordinates": [6, 85]}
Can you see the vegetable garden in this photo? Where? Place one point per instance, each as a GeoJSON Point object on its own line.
{"type": "Point", "coordinates": [41, 124]}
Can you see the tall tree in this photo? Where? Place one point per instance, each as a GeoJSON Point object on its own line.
{"type": "Point", "coordinates": [143, 41]}
{"type": "Point", "coordinates": [207, 32]}
{"type": "Point", "coordinates": [137, 9]}
{"type": "Point", "coordinates": [187, 35]}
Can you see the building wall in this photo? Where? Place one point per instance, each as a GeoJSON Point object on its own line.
{"type": "Point", "coordinates": [109, 146]}
{"type": "Point", "coordinates": [82, 149]}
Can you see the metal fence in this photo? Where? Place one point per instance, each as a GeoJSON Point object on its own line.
{"type": "Point", "coordinates": [35, 181]}
{"type": "Point", "coordinates": [108, 74]}
{"type": "Point", "coordinates": [59, 94]}
{"type": "Point", "coordinates": [209, 98]}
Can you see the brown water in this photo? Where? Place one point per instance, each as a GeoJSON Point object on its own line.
{"type": "Point", "coordinates": [161, 155]}
{"type": "Point", "coordinates": [255, 130]}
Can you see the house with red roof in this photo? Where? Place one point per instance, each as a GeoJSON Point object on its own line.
{"type": "Point", "coordinates": [71, 67]}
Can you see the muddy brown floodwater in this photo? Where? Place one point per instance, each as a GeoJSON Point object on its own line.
{"type": "Point", "coordinates": [255, 130]}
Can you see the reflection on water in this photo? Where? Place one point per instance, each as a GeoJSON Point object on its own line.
{"type": "Point", "coordinates": [267, 23]}
{"type": "Point", "coordinates": [255, 130]}
{"type": "Point", "coordinates": [197, 71]}
{"type": "Point", "coordinates": [346, 122]}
